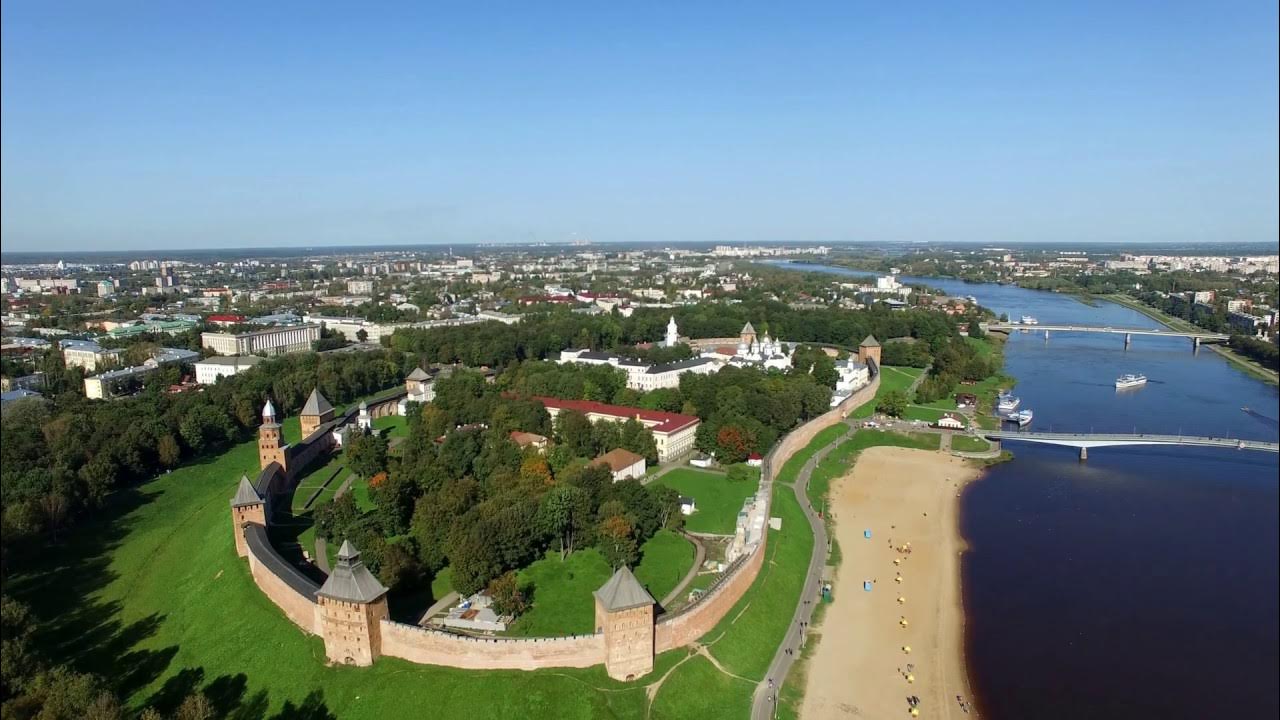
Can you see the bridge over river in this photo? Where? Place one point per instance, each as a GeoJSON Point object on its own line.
{"type": "Point", "coordinates": [1195, 337]}
{"type": "Point", "coordinates": [1084, 441]}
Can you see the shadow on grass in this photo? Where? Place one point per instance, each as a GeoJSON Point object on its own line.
{"type": "Point", "coordinates": [228, 698]}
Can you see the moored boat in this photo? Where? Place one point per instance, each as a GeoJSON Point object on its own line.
{"type": "Point", "coordinates": [1130, 381]}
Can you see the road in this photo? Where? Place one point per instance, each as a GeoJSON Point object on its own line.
{"type": "Point", "coordinates": [764, 702]}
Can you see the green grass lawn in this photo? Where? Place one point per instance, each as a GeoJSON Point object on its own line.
{"type": "Point", "coordinates": [964, 443]}
{"type": "Point", "coordinates": [891, 378]}
{"type": "Point", "coordinates": [442, 583]}
{"type": "Point", "coordinates": [397, 425]}
{"type": "Point", "coordinates": [666, 557]}
{"type": "Point", "coordinates": [563, 603]}
{"type": "Point", "coordinates": [718, 500]}
{"type": "Point", "coordinates": [825, 437]}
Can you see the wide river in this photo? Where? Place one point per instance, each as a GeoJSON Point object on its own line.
{"type": "Point", "coordinates": [1143, 582]}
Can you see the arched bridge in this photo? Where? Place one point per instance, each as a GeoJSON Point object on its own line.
{"type": "Point", "coordinates": [1195, 337]}
{"type": "Point", "coordinates": [1084, 441]}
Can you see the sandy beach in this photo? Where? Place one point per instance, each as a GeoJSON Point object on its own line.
{"type": "Point", "coordinates": [859, 668]}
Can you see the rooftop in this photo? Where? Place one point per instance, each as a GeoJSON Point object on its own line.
{"type": "Point", "coordinates": [619, 459]}
{"type": "Point", "coordinates": [350, 580]}
{"type": "Point", "coordinates": [623, 592]}
{"type": "Point", "coordinates": [657, 420]}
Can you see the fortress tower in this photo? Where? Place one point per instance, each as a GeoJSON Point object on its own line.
{"type": "Point", "coordinates": [869, 349]}
{"type": "Point", "coordinates": [246, 507]}
{"type": "Point", "coordinates": [748, 335]}
{"type": "Point", "coordinates": [624, 613]}
{"type": "Point", "coordinates": [270, 448]}
{"type": "Point", "coordinates": [352, 606]}
{"type": "Point", "coordinates": [315, 413]}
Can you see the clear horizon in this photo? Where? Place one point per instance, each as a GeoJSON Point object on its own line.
{"type": "Point", "coordinates": [150, 127]}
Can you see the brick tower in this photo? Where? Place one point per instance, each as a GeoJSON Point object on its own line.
{"type": "Point", "coordinates": [270, 448]}
{"type": "Point", "coordinates": [352, 605]}
{"type": "Point", "coordinates": [316, 412]}
{"type": "Point", "coordinates": [246, 507]}
{"type": "Point", "coordinates": [624, 613]}
{"type": "Point", "coordinates": [869, 349]}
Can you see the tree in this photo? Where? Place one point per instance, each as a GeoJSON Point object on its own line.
{"type": "Point", "coordinates": [508, 598]}
{"type": "Point", "coordinates": [362, 335]}
{"type": "Point", "coordinates": [668, 503]}
{"type": "Point", "coordinates": [616, 543]}
{"type": "Point", "coordinates": [573, 430]}
{"type": "Point", "coordinates": [893, 403]}
{"type": "Point", "coordinates": [167, 451]}
{"type": "Point", "coordinates": [739, 472]}
{"type": "Point", "coordinates": [195, 707]}
{"type": "Point", "coordinates": [366, 453]}
{"type": "Point", "coordinates": [17, 666]}
{"type": "Point", "coordinates": [399, 568]}
{"type": "Point", "coordinates": [565, 514]}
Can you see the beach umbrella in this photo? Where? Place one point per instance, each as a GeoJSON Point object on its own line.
{"type": "Point", "coordinates": [897, 561]}
{"type": "Point", "coordinates": [915, 712]}
{"type": "Point", "coordinates": [906, 649]}
{"type": "Point", "coordinates": [866, 534]}
{"type": "Point", "coordinates": [903, 622]}
{"type": "Point", "coordinates": [898, 579]}
{"type": "Point", "coordinates": [901, 599]}
{"type": "Point", "coordinates": [866, 585]}
{"type": "Point", "coordinates": [911, 678]}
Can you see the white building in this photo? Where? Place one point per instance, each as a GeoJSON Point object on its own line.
{"type": "Point", "coordinates": [89, 355]}
{"type": "Point", "coordinates": [852, 376]}
{"type": "Point", "coordinates": [360, 287]}
{"type": "Point", "coordinates": [641, 375]}
{"type": "Point", "coordinates": [623, 464]}
{"type": "Point", "coordinates": [673, 433]}
{"type": "Point", "coordinates": [210, 369]}
{"type": "Point", "coordinates": [754, 351]}
{"type": "Point", "coordinates": [269, 341]}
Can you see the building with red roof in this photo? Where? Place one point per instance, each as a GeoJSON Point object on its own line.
{"type": "Point", "coordinates": [673, 433]}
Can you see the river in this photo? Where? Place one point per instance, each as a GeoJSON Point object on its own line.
{"type": "Point", "coordinates": [1143, 582]}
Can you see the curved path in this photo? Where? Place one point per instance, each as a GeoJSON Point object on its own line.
{"type": "Point", "coordinates": [764, 702]}
{"type": "Point", "coordinates": [699, 557]}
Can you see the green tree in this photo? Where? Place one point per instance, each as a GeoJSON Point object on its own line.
{"type": "Point", "coordinates": [508, 597]}
{"type": "Point", "coordinates": [616, 542]}
{"type": "Point", "coordinates": [893, 403]}
{"type": "Point", "coordinates": [366, 453]}
{"type": "Point", "coordinates": [565, 514]}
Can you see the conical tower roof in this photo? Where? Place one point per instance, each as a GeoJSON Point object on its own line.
{"type": "Point", "coordinates": [245, 494]}
{"type": "Point", "coordinates": [269, 410]}
{"type": "Point", "coordinates": [870, 342]}
{"type": "Point", "coordinates": [623, 592]}
{"type": "Point", "coordinates": [316, 404]}
{"type": "Point", "coordinates": [350, 580]}
{"type": "Point", "coordinates": [418, 374]}
{"type": "Point", "coordinates": [748, 329]}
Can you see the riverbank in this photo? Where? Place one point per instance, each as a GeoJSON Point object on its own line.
{"type": "Point", "coordinates": [859, 666]}
{"type": "Point", "coordinates": [1233, 357]}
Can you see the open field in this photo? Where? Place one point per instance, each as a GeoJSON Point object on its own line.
{"type": "Point", "coordinates": [563, 603]}
{"type": "Point", "coordinates": [891, 378]}
{"type": "Point", "coordinates": [965, 443]}
{"type": "Point", "coordinates": [718, 500]}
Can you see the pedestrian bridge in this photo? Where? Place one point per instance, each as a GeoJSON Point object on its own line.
{"type": "Point", "coordinates": [1084, 441]}
{"type": "Point", "coordinates": [1196, 337]}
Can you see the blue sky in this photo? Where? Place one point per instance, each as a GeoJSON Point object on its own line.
{"type": "Point", "coordinates": [130, 125]}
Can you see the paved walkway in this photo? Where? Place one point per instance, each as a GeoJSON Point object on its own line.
{"type": "Point", "coordinates": [345, 486]}
{"type": "Point", "coordinates": [699, 556]}
{"type": "Point", "coordinates": [764, 703]}
{"type": "Point", "coordinates": [445, 602]}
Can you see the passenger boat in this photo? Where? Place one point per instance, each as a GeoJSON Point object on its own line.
{"type": "Point", "coordinates": [1007, 404]}
{"type": "Point", "coordinates": [1022, 417]}
{"type": "Point", "coordinates": [1028, 320]}
{"type": "Point", "coordinates": [1130, 381]}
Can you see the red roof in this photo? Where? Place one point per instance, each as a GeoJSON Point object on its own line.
{"type": "Point", "coordinates": [657, 420]}
{"type": "Point", "coordinates": [755, 456]}
{"type": "Point", "coordinates": [226, 318]}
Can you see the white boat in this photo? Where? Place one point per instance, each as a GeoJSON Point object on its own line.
{"type": "Point", "coordinates": [1028, 320]}
{"type": "Point", "coordinates": [1022, 417]}
{"type": "Point", "coordinates": [1007, 404]}
{"type": "Point", "coordinates": [1130, 381]}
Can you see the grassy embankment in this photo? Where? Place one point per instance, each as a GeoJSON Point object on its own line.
{"type": "Point", "coordinates": [1248, 365]}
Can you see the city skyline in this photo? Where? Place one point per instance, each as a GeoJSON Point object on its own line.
{"type": "Point", "coordinates": [153, 128]}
